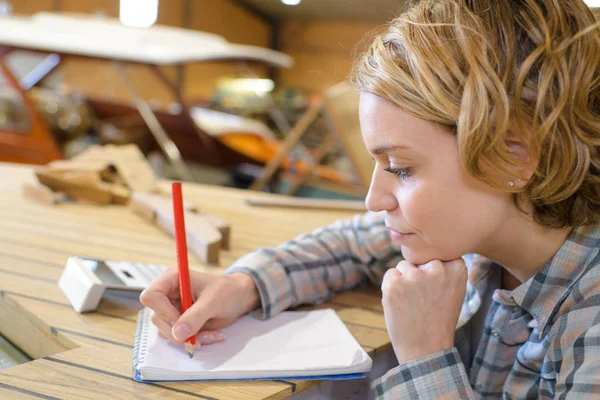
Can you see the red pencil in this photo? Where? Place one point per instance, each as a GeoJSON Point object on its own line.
{"type": "Point", "coordinates": [185, 290]}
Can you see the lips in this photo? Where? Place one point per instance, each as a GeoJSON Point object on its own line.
{"type": "Point", "coordinates": [398, 232]}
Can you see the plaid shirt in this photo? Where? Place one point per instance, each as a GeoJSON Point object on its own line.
{"type": "Point", "coordinates": [542, 340]}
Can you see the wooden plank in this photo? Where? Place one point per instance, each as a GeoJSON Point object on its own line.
{"type": "Point", "coordinates": [361, 300]}
{"type": "Point", "coordinates": [36, 241]}
{"type": "Point", "coordinates": [121, 364]}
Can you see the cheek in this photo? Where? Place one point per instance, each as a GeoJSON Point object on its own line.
{"type": "Point", "coordinates": [450, 221]}
{"type": "Point", "coordinates": [425, 209]}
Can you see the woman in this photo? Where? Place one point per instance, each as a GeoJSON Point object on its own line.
{"type": "Point", "coordinates": [484, 122]}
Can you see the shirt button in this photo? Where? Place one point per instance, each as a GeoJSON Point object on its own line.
{"type": "Point", "coordinates": [495, 333]}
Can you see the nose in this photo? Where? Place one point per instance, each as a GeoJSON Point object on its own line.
{"type": "Point", "coordinates": [380, 196]}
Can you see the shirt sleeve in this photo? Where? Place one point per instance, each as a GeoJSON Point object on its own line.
{"type": "Point", "coordinates": [437, 376]}
{"type": "Point", "coordinates": [312, 267]}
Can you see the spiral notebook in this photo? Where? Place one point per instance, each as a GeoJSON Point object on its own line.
{"type": "Point", "coordinates": [292, 345]}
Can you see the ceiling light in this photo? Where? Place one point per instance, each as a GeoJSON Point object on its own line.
{"type": "Point", "coordinates": [592, 3]}
{"type": "Point", "coordinates": [138, 13]}
{"type": "Point", "coordinates": [291, 2]}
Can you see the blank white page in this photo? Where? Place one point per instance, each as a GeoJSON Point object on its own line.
{"type": "Point", "coordinates": [293, 343]}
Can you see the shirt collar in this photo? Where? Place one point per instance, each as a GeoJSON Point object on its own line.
{"type": "Point", "coordinates": [543, 293]}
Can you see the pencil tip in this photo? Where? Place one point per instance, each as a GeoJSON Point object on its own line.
{"type": "Point", "coordinates": [189, 349]}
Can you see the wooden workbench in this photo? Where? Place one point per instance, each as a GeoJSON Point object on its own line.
{"type": "Point", "coordinates": [89, 355]}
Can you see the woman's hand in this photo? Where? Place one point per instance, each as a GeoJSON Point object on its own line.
{"type": "Point", "coordinates": [219, 301]}
{"type": "Point", "coordinates": [422, 306]}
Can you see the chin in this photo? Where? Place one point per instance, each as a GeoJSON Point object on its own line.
{"type": "Point", "coordinates": [423, 256]}
{"type": "Point", "coordinates": [416, 257]}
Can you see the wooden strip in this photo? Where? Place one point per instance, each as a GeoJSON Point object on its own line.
{"type": "Point", "coordinates": [95, 338]}
{"type": "Point", "coordinates": [292, 384]}
{"type": "Point", "coordinates": [85, 239]}
{"type": "Point", "coordinates": [51, 245]}
{"type": "Point", "coordinates": [66, 305]}
{"type": "Point", "coordinates": [295, 202]}
{"type": "Point", "coordinates": [133, 235]}
{"type": "Point", "coordinates": [91, 324]}
{"type": "Point", "coordinates": [363, 317]}
{"type": "Point", "coordinates": [30, 260]}
{"type": "Point", "coordinates": [38, 271]}
{"type": "Point", "coordinates": [25, 391]}
{"type": "Point", "coordinates": [33, 277]}
{"type": "Point", "coordinates": [99, 371]}
{"type": "Point", "coordinates": [359, 300]}
{"type": "Point", "coordinates": [73, 381]}
{"type": "Point", "coordinates": [16, 294]}
{"type": "Point", "coordinates": [34, 289]}
{"type": "Point", "coordinates": [365, 326]}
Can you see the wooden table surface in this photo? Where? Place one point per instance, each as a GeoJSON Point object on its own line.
{"type": "Point", "coordinates": [89, 355]}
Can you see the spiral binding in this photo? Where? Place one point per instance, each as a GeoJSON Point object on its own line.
{"type": "Point", "coordinates": [141, 338]}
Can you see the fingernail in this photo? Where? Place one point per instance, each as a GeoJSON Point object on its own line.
{"type": "Point", "coordinates": [206, 337]}
{"type": "Point", "coordinates": [219, 337]}
{"type": "Point", "coordinates": [181, 332]}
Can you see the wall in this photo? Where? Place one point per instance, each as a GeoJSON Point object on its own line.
{"type": "Point", "coordinates": [322, 50]}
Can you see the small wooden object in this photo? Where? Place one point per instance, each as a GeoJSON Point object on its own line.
{"type": "Point", "coordinates": [206, 235]}
{"type": "Point", "coordinates": [100, 175]}
{"type": "Point", "coordinates": [295, 202]}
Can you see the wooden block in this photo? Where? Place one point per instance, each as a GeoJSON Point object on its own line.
{"type": "Point", "coordinates": [203, 238]}
{"type": "Point", "coordinates": [42, 194]}
{"type": "Point", "coordinates": [142, 208]}
{"type": "Point", "coordinates": [158, 201]}
{"type": "Point", "coordinates": [222, 226]}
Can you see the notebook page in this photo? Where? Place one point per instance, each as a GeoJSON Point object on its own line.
{"type": "Point", "coordinates": [289, 342]}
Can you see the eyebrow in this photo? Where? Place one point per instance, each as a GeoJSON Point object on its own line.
{"type": "Point", "coordinates": [387, 149]}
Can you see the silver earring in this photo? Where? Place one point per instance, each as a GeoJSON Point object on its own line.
{"type": "Point", "coordinates": [511, 183]}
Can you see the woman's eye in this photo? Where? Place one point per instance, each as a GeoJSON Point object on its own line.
{"type": "Point", "coordinates": [402, 173]}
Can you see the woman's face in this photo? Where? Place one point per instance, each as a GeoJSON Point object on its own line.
{"type": "Point", "coordinates": [433, 208]}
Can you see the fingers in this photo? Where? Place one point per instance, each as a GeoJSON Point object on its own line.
{"type": "Point", "coordinates": [191, 321]}
{"type": "Point", "coordinates": [202, 338]}
{"type": "Point", "coordinates": [210, 337]}
{"type": "Point", "coordinates": [158, 296]}
{"type": "Point", "coordinates": [406, 268]}
{"type": "Point", "coordinates": [390, 278]}
{"type": "Point", "coordinates": [457, 265]}
{"type": "Point", "coordinates": [164, 328]}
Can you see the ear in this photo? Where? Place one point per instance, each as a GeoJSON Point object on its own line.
{"type": "Point", "coordinates": [518, 148]}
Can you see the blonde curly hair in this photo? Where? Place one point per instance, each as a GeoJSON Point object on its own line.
{"type": "Point", "coordinates": [485, 69]}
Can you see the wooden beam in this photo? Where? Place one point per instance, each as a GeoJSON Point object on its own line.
{"type": "Point", "coordinates": [275, 44]}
